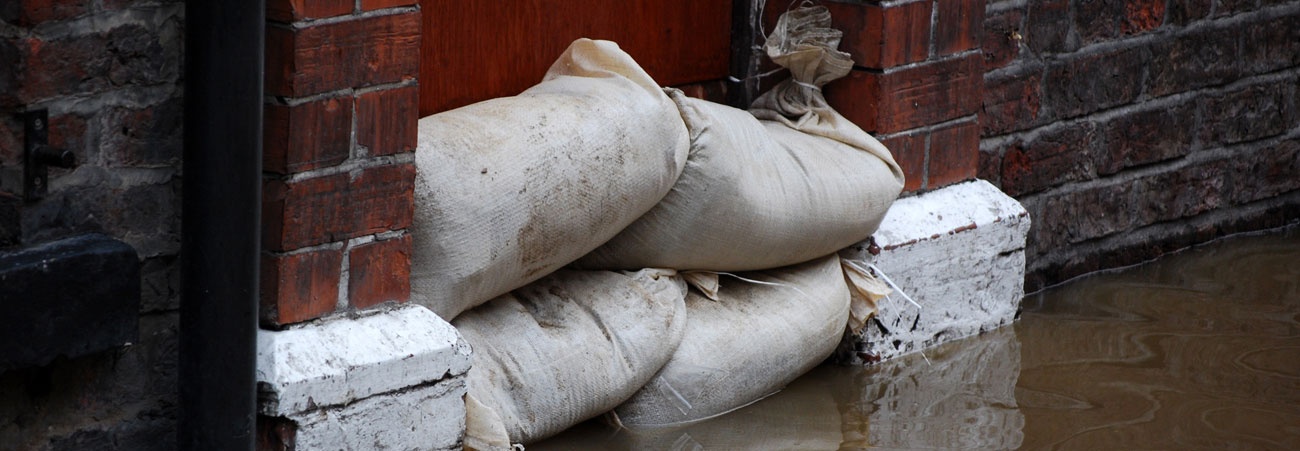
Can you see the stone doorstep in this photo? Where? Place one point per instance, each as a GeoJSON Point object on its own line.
{"type": "Point", "coordinates": [959, 252]}
{"type": "Point", "coordinates": [391, 370]}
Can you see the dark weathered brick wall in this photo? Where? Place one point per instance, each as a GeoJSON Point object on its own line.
{"type": "Point", "coordinates": [1134, 128]}
{"type": "Point", "coordinates": [109, 72]}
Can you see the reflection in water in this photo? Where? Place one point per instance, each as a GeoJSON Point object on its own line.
{"type": "Point", "coordinates": [1200, 350]}
{"type": "Point", "coordinates": [1197, 351]}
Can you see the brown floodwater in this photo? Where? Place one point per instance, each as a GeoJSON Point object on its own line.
{"type": "Point", "coordinates": [1198, 350]}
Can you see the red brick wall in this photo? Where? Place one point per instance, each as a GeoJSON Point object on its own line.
{"type": "Point", "coordinates": [1133, 128]}
{"type": "Point", "coordinates": [339, 156]}
{"type": "Point", "coordinates": [916, 84]}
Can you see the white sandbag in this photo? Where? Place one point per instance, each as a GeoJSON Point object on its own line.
{"type": "Point", "coordinates": [802, 183]}
{"type": "Point", "coordinates": [569, 347]}
{"type": "Point", "coordinates": [510, 189]}
{"type": "Point", "coordinates": [754, 340]}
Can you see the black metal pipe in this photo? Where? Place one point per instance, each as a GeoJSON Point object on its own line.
{"type": "Point", "coordinates": [743, 85]}
{"type": "Point", "coordinates": [221, 223]}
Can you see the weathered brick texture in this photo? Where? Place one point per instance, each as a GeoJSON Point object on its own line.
{"type": "Point", "coordinates": [368, 51]}
{"type": "Point", "coordinates": [337, 207]}
{"type": "Point", "coordinates": [340, 131]}
{"type": "Point", "coordinates": [380, 272]}
{"type": "Point", "coordinates": [299, 287]}
{"type": "Point", "coordinates": [918, 66]}
{"type": "Point", "coordinates": [909, 151]}
{"type": "Point", "coordinates": [386, 120]}
{"type": "Point", "coordinates": [307, 136]}
{"type": "Point", "coordinates": [1134, 128]}
{"type": "Point", "coordinates": [109, 74]}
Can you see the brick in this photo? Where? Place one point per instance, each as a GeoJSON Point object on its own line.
{"type": "Point", "coordinates": [1230, 7]}
{"type": "Point", "coordinates": [1011, 102]}
{"type": "Point", "coordinates": [66, 66]}
{"type": "Point", "coordinates": [1002, 38]}
{"type": "Point", "coordinates": [144, 215]}
{"type": "Point", "coordinates": [909, 151]}
{"type": "Point", "coordinates": [990, 165]}
{"type": "Point", "coordinates": [380, 272]}
{"type": "Point", "coordinates": [35, 12]}
{"type": "Point", "coordinates": [69, 131]}
{"type": "Point", "coordinates": [299, 287]}
{"type": "Point", "coordinates": [1272, 45]}
{"type": "Point", "coordinates": [1098, 20]}
{"type": "Point", "coordinates": [958, 25]}
{"type": "Point", "coordinates": [1076, 216]}
{"type": "Point", "coordinates": [149, 136]}
{"type": "Point", "coordinates": [11, 141]}
{"type": "Point", "coordinates": [295, 10]}
{"type": "Point", "coordinates": [1194, 60]}
{"type": "Point", "coordinates": [387, 120]}
{"type": "Point", "coordinates": [1060, 155]}
{"type": "Point", "coordinates": [370, 5]}
{"type": "Point", "coordinates": [857, 97]}
{"type": "Point", "coordinates": [307, 136]}
{"type": "Point", "coordinates": [144, 56]}
{"type": "Point", "coordinates": [911, 97]}
{"type": "Point", "coordinates": [1180, 193]}
{"type": "Point", "coordinates": [954, 154]}
{"type": "Point", "coordinates": [11, 58]}
{"type": "Point", "coordinates": [1250, 113]}
{"type": "Point", "coordinates": [160, 284]}
{"type": "Point", "coordinates": [337, 207]}
{"type": "Point", "coordinates": [361, 52]}
{"type": "Point", "coordinates": [1144, 137]}
{"type": "Point", "coordinates": [1093, 82]}
{"type": "Point", "coordinates": [930, 93]}
{"type": "Point", "coordinates": [1141, 16]}
{"type": "Point", "coordinates": [1047, 27]}
{"type": "Point", "coordinates": [881, 37]}
{"type": "Point", "coordinates": [1271, 171]}
{"type": "Point", "coordinates": [1183, 12]}
{"type": "Point", "coordinates": [129, 54]}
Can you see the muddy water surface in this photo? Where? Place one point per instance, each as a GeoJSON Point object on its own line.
{"type": "Point", "coordinates": [1200, 350]}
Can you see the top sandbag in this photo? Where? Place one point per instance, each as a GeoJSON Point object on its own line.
{"type": "Point", "coordinates": [511, 189]}
{"type": "Point", "coordinates": [801, 183]}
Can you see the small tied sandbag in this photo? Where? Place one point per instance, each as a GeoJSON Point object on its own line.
{"type": "Point", "coordinates": [800, 183]}
{"type": "Point", "coordinates": [509, 190]}
{"type": "Point", "coordinates": [765, 329]}
{"type": "Point", "coordinates": [567, 348]}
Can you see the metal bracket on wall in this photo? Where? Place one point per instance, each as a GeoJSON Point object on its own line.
{"type": "Point", "coordinates": [38, 155]}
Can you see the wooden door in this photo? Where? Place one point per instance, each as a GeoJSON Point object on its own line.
{"type": "Point", "coordinates": [474, 50]}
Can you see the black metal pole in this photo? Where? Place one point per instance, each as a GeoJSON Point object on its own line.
{"type": "Point", "coordinates": [743, 87]}
{"type": "Point", "coordinates": [221, 223]}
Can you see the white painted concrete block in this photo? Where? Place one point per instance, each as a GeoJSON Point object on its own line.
{"type": "Point", "coordinates": [959, 253]}
{"type": "Point", "coordinates": [388, 379]}
{"type": "Point", "coordinates": [430, 417]}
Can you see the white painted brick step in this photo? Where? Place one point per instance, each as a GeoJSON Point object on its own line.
{"type": "Point", "coordinates": [393, 379]}
{"type": "Point", "coordinates": [959, 252]}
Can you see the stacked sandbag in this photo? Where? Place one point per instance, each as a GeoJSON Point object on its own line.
{"type": "Point", "coordinates": [566, 348]}
{"type": "Point", "coordinates": [801, 183]}
{"type": "Point", "coordinates": [511, 189]}
{"type": "Point", "coordinates": [765, 329]}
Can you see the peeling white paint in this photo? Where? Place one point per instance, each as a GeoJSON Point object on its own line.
{"type": "Point", "coordinates": [340, 360]}
{"type": "Point", "coordinates": [959, 252]}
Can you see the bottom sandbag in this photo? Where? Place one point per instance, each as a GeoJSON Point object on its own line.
{"type": "Point", "coordinates": [568, 347]}
{"type": "Point", "coordinates": [756, 338]}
